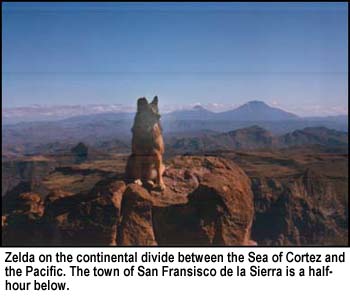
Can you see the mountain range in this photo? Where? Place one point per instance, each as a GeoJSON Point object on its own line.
{"type": "Point", "coordinates": [196, 122]}
{"type": "Point", "coordinates": [255, 138]}
{"type": "Point", "coordinates": [248, 139]}
{"type": "Point", "coordinates": [255, 110]}
{"type": "Point", "coordinates": [251, 111]}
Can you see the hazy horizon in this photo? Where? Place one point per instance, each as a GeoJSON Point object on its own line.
{"type": "Point", "coordinates": [290, 55]}
{"type": "Point", "coordinates": [36, 111]}
{"type": "Point", "coordinates": [211, 106]}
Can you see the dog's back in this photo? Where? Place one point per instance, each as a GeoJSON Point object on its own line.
{"type": "Point", "coordinates": [147, 143]}
{"type": "Point", "coordinates": [147, 137]}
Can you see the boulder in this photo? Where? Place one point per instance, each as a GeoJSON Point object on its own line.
{"type": "Point", "coordinates": [86, 219]}
{"type": "Point", "coordinates": [136, 227]}
{"type": "Point", "coordinates": [23, 226]}
{"type": "Point", "coordinates": [217, 206]}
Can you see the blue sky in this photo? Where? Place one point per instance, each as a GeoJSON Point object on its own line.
{"type": "Point", "coordinates": [290, 55]}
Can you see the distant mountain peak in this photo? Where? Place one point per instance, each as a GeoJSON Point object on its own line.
{"type": "Point", "coordinates": [256, 102]}
{"type": "Point", "coordinates": [199, 107]}
{"type": "Point", "coordinates": [257, 110]}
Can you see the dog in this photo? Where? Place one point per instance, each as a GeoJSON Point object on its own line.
{"type": "Point", "coordinates": [145, 163]}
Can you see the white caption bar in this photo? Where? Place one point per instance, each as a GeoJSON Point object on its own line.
{"type": "Point", "coordinates": [174, 271]}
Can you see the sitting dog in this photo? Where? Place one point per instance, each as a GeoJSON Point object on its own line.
{"type": "Point", "coordinates": [146, 161]}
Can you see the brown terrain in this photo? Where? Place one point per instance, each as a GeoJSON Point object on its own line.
{"type": "Point", "coordinates": [286, 196]}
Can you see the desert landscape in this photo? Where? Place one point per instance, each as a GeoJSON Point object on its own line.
{"type": "Point", "coordinates": [247, 186]}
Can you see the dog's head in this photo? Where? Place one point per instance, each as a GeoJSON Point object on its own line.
{"type": "Point", "coordinates": [144, 106]}
{"type": "Point", "coordinates": [148, 113]}
{"type": "Point", "coordinates": [150, 110]}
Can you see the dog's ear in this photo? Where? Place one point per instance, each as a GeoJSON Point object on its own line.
{"type": "Point", "coordinates": [155, 101]}
{"type": "Point", "coordinates": [141, 103]}
{"type": "Point", "coordinates": [154, 104]}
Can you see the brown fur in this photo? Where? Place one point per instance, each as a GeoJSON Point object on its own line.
{"type": "Point", "coordinates": [146, 160]}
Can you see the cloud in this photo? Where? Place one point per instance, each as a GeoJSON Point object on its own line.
{"type": "Point", "coordinates": [319, 110]}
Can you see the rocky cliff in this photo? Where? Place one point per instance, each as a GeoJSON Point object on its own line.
{"type": "Point", "coordinates": [208, 201]}
{"type": "Point", "coordinates": [307, 209]}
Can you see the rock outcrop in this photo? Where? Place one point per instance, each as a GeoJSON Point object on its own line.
{"type": "Point", "coordinates": [64, 219]}
{"type": "Point", "coordinates": [86, 219]}
{"type": "Point", "coordinates": [80, 152]}
{"type": "Point", "coordinates": [305, 210]}
{"type": "Point", "coordinates": [136, 227]}
{"type": "Point", "coordinates": [217, 207]}
{"type": "Point", "coordinates": [22, 224]}
{"type": "Point", "coordinates": [207, 201]}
